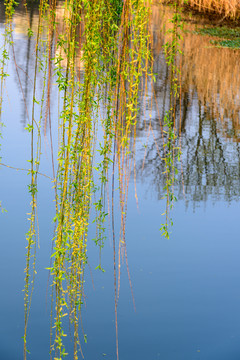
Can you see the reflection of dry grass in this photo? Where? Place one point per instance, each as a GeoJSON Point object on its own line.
{"type": "Point", "coordinates": [21, 23]}
{"type": "Point", "coordinates": [213, 73]}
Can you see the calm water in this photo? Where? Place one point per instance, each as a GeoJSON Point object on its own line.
{"type": "Point", "coordinates": [186, 289]}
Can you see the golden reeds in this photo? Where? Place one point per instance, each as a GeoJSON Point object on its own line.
{"type": "Point", "coordinates": [226, 8]}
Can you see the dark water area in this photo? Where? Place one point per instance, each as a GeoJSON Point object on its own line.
{"type": "Point", "coordinates": [186, 289]}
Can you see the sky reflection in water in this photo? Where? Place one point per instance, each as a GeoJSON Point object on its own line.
{"type": "Point", "coordinates": [186, 289]}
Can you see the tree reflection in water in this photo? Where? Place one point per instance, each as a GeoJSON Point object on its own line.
{"type": "Point", "coordinates": [208, 123]}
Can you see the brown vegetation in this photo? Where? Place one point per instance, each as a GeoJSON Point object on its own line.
{"type": "Point", "coordinates": [208, 71]}
{"type": "Point", "coordinates": [227, 8]}
{"type": "Point", "coordinates": [224, 8]}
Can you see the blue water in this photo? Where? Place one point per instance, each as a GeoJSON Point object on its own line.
{"type": "Point", "coordinates": [186, 289]}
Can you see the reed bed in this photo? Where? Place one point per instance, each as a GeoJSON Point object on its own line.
{"type": "Point", "coordinates": [225, 8]}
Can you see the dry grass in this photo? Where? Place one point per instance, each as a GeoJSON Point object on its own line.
{"type": "Point", "coordinates": [226, 8]}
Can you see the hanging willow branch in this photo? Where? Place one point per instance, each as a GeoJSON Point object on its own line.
{"type": "Point", "coordinates": [97, 53]}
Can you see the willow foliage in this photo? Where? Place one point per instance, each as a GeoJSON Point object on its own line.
{"type": "Point", "coordinates": [99, 56]}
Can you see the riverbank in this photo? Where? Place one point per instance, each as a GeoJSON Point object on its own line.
{"type": "Point", "coordinates": [215, 11]}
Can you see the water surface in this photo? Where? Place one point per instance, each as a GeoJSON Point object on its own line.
{"type": "Point", "coordinates": [186, 289]}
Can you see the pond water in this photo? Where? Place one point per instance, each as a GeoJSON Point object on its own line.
{"type": "Point", "coordinates": [186, 289]}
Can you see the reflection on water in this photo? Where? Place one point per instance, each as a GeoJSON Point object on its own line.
{"type": "Point", "coordinates": [208, 122]}
{"type": "Point", "coordinates": [210, 73]}
{"type": "Point", "coordinates": [208, 126]}
{"type": "Point", "coordinates": [24, 50]}
{"type": "Point", "coordinates": [210, 165]}
{"type": "Point", "coordinates": [185, 286]}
